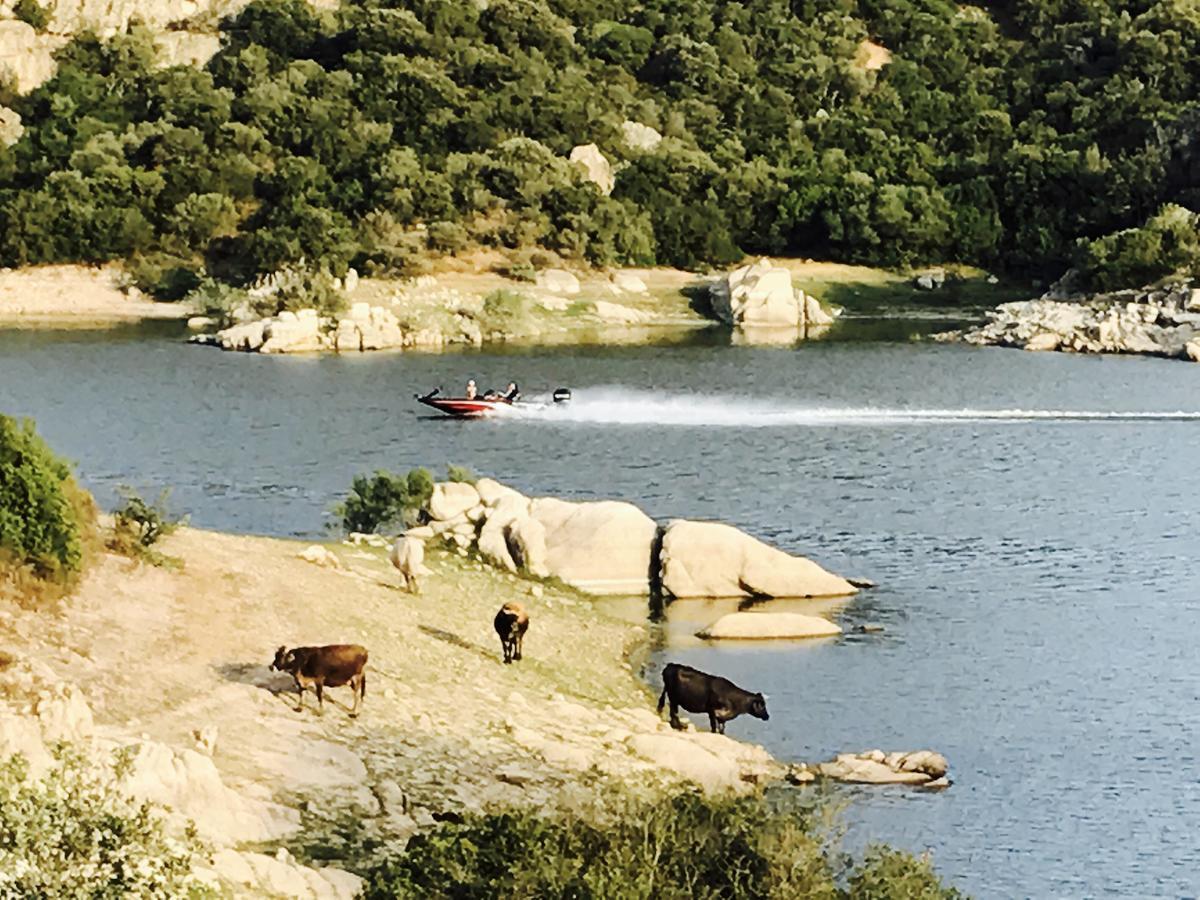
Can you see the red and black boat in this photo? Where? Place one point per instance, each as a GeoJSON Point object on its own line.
{"type": "Point", "coordinates": [490, 404]}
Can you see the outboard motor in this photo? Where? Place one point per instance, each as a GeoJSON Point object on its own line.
{"type": "Point", "coordinates": [562, 395]}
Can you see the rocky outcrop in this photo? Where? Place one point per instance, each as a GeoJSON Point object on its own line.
{"type": "Point", "coordinates": [709, 559]}
{"type": "Point", "coordinates": [183, 783]}
{"type": "Point", "coordinates": [364, 328]}
{"type": "Point", "coordinates": [599, 170]}
{"type": "Point", "coordinates": [921, 767]}
{"type": "Point", "coordinates": [628, 282]}
{"type": "Point", "coordinates": [761, 295]}
{"type": "Point", "coordinates": [612, 547]}
{"type": "Point", "coordinates": [11, 128]}
{"type": "Point", "coordinates": [640, 137]}
{"type": "Point", "coordinates": [619, 313]}
{"type": "Point", "coordinates": [1156, 322]}
{"type": "Point", "coordinates": [558, 281]}
{"type": "Point", "coordinates": [602, 547]}
{"type": "Point", "coordinates": [768, 626]}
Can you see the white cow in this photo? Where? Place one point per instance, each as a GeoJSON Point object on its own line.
{"type": "Point", "coordinates": [408, 556]}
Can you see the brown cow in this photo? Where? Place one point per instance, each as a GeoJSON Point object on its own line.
{"type": "Point", "coordinates": [333, 665]}
{"type": "Point", "coordinates": [511, 624]}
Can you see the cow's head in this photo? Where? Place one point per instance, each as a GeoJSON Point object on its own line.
{"type": "Point", "coordinates": [282, 659]}
{"type": "Point", "coordinates": [758, 707]}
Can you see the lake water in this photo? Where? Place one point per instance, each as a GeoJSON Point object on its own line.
{"type": "Point", "coordinates": [1031, 519]}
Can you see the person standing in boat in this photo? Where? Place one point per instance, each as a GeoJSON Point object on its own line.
{"type": "Point", "coordinates": [471, 389]}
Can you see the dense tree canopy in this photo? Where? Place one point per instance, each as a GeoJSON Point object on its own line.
{"type": "Point", "coordinates": [1011, 134]}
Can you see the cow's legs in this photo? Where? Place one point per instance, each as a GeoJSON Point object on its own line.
{"type": "Point", "coordinates": [413, 586]}
{"type": "Point", "coordinates": [507, 646]}
{"type": "Point", "coordinates": [299, 690]}
{"type": "Point", "coordinates": [713, 725]}
{"type": "Point", "coordinates": [675, 723]}
{"type": "Point", "coordinates": [356, 690]}
{"type": "Point", "coordinates": [320, 700]}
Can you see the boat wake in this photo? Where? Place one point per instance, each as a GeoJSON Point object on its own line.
{"type": "Point", "coordinates": [620, 406]}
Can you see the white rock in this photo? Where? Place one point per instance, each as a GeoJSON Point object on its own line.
{"type": "Point", "coordinates": [199, 323]}
{"type": "Point", "coordinates": [768, 625]}
{"type": "Point", "coordinates": [640, 137]}
{"type": "Point", "coordinates": [526, 539]}
{"type": "Point", "coordinates": [321, 556]}
{"type": "Point", "coordinates": [1046, 340]}
{"type": "Point", "coordinates": [491, 492]}
{"type": "Point", "coordinates": [599, 170]}
{"type": "Point", "coordinates": [760, 295]}
{"type": "Point", "coordinates": [452, 499]}
{"type": "Point", "coordinates": [629, 282]}
{"type": "Point", "coordinates": [615, 312]}
{"type": "Point", "coordinates": [11, 128]}
{"type": "Point", "coordinates": [711, 559]}
{"type": "Point", "coordinates": [558, 281]}
{"type": "Point", "coordinates": [599, 547]}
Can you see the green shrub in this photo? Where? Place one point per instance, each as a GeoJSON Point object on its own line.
{"type": "Point", "coordinates": [218, 300]}
{"type": "Point", "coordinates": [685, 846]}
{"type": "Point", "coordinates": [460, 474]}
{"type": "Point", "coordinates": [46, 520]}
{"type": "Point", "coordinates": [383, 500]}
{"type": "Point", "coordinates": [139, 526]}
{"type": "Point", "coordinates": [71, 833]}
{"type": "Point", "coordinates": [506, 311]}
{"type": "Point", "coordinates": [1167, 244]}
{"type": "Point", "coordinates": [32, 14]}
{"type": "Point", "coordinates": [163, 275]}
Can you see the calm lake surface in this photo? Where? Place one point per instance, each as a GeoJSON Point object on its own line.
{"type": "Point", "coordinates": [1037, 570]}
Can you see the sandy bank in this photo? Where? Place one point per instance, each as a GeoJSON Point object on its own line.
{"type": "Point", "coordinates": [169, 656]}
{"type": "Point", "coordinates": [74, 295]}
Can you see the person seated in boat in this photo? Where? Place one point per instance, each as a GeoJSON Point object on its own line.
{"type": "Point", "coordinates": [512, 392]}
{"type": "Point", "coordinates": [471, 389]}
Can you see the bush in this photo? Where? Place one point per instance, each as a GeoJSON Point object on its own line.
{"type": "Point", "coordinates": [163, 276]}
{"type": "Point", "coordinates": [46, 520]}
{"type": "Point", "coordinates": [507, 312]}
{"type": "Point", "coordinates": [71, 833]}
{"type": "Point", "coordinates": [1167, 244]}
{"type": "Point", "coordinates": [32, 14]}
{"type": "Point", "coordinates": [460, 474]}
{"type": "Point", "coordinates": [685, 846]}
{"type": "Point", "coordinates": [383, 500]}
{"type": "Point", "coordinates": [139, 525]}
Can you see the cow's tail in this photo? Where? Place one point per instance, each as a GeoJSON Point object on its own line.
{"type": "Point", "coordinates": [362, 686]}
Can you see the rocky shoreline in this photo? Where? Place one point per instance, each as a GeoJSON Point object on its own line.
{"type": "Point", "coordinates": [172, 664]}
{"type": "Point", "coordinates": [1162, 321]}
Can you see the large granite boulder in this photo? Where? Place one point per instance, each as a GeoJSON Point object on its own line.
{"type": "Point", "coordinates": [599, 170]}
{"type": "Point", "coordinates": [709, 559]}
{"type": "Point", "coordinates": [558, 281]}
{"type": "Point", "coordinates": [494, 535]}
{"type": "Point", "coordinates": [920, 767]}
{"type": "Point", "coordinates": [526, 538]}
{"type": "Point", "coordinates": [769, 625]}
{"type": "Point", "coordinates": [759, 294]}
{"type": "Point", "coordinates": [451, 499]}
{"type": "Point", "coordinates": [600, 547]}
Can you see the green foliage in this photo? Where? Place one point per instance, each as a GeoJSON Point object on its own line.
{"type": "Point", "coordinates": [380, 133]}
{"type": "Point", "coordinates": [383, 500]}
{"type": "Point", "coordinates": [139, 525]}
{"type": "Point", "coordinates": [508, 312]}
{"type": "Point", "coordinates": [686, 846]}
{"type": "Point", "coordinates": [32, 14]}
{"type": "Point", "coordinates": [72, 833]}
{"type": "Point", "coordinates": [460, 474]}
{"type": "Point", "coordinates": [46, 519]}
{"type": "Point", "coordinates": [1168, 243]}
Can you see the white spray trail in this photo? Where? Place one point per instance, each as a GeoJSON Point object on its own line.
{"type": "Point", "coordinates": [621, 406]}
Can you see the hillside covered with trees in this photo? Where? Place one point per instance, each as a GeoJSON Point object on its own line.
{"type": "Point", "coordinates": [1024, 135]}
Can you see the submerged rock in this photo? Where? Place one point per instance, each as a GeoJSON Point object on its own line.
{"type": "Point", "coordinates": [767, 625]}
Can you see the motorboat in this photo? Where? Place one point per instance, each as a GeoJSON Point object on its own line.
{"type": "Point", "coordinates": [490, 404]}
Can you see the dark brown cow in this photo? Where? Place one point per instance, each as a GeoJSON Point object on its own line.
{"type": "Point", "coordinates": [698, 692]}
{"type": "Point", "coordinates": [511, 624]}
{"type": "Point", "coordinates": [332, 666]}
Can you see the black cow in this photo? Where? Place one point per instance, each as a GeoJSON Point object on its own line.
{"type": "Point", "coordinates": [699, 692]}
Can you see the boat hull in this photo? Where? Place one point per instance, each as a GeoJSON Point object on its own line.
{"type": "Point", "coordinates": [462, 408]}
